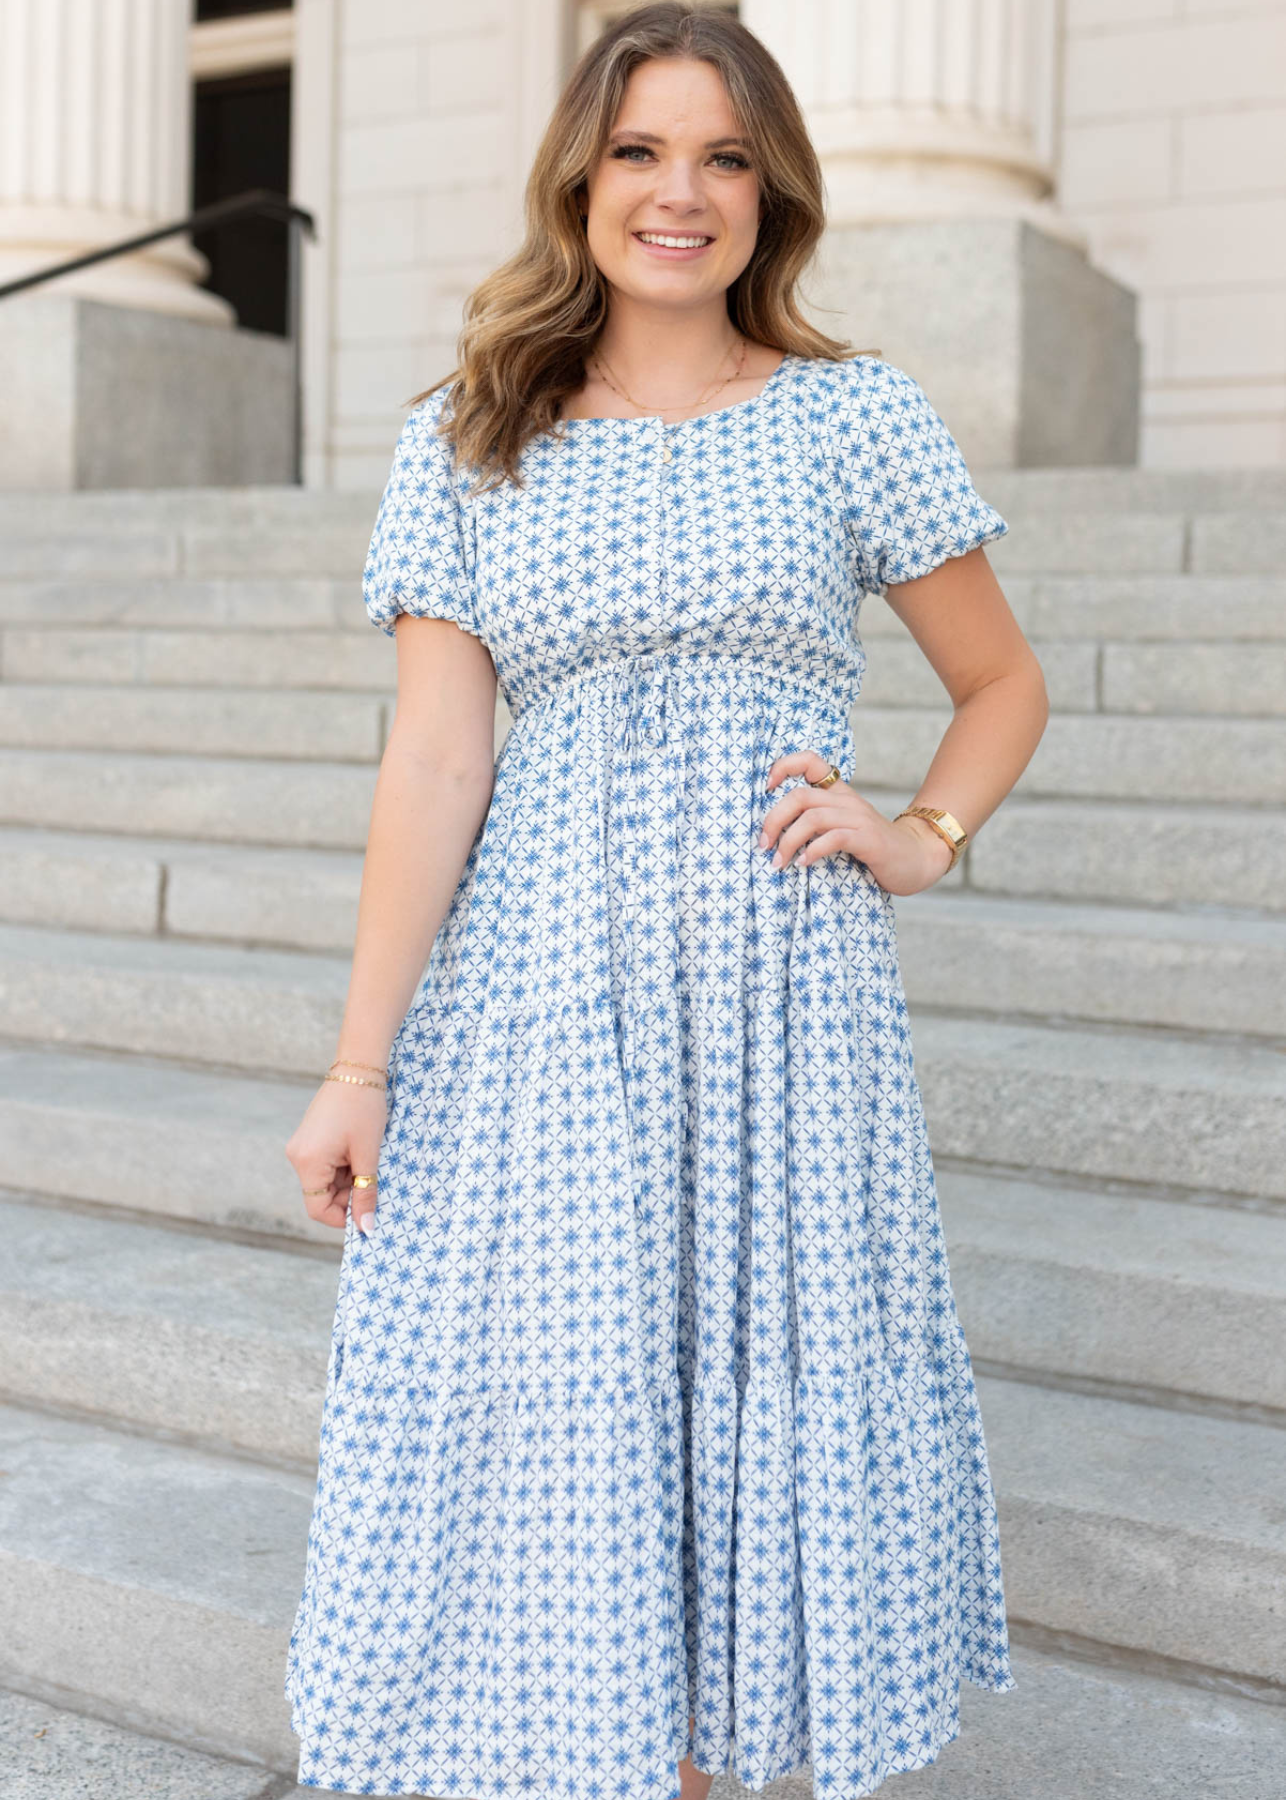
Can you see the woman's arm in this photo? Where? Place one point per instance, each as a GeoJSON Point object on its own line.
{"type": "Point", "coordinates": [961, 620]}
{"type": "Point", "coordinates": [432, 794]}
{"type": "Point", "coordinates": [959, 617]}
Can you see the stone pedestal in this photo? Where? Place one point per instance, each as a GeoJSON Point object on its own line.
{"type": "Point", "coordinates": [100, 396]}
{"type": "Point", "coordinates": [936, 130]}
{"type": "Point", "coordinates": [1028, 351]}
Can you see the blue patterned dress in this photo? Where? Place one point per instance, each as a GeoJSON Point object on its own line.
{"type": "Point", "coordinates": [648, 1397]}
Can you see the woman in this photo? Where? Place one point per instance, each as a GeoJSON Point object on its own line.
{"type": "Point", "coordinates": [650, 1432]}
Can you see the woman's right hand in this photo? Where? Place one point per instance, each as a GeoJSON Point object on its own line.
{"type": "Point", "coordinates": [339, 1137]}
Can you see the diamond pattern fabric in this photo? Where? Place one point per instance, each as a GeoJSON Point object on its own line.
{"type": "Point", "coordinates": [648, 1396]}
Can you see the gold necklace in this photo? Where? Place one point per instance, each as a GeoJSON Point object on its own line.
{"type": "Point", "coordinates": [741, 363]}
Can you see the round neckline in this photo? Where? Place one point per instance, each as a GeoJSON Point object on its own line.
{"type": "Point", "coordinates": [721, 412]}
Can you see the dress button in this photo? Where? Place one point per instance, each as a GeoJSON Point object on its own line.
{"type": "Point", "coordinates": [665, 454]}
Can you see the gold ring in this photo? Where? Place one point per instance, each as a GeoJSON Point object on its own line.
{"type": "Point", "coordinates": [364, 1181]}
{"type": "Point", "coordinates": [829, 780]}
{"type": "Point", "coordinates": [309, 1192]}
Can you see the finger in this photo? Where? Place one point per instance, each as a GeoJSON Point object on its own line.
{"type": "Point", "coordinates": [327, 1209]}
{"type": "Point", "coordinates": [830, 843]}
{"type": "Point", "coordinates": [788, 808]}
{"type": "Point", "coordinates": [816, 818]}
{"type": "Point", "coordinates": [809, 763]}
{"type": "Point", "coordinates": [322, 1192]}
{"type": "Point", "coordinates": [363, 1204]}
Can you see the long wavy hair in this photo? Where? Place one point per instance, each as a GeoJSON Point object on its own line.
{"type": "Point", "coordinates": [530, 325]}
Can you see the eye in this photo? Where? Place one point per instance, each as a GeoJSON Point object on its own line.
{"type": "Point", "coordinates": [626, 152]}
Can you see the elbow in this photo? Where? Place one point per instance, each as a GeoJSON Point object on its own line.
{"type": "Point", "coordinates": [461, 769]}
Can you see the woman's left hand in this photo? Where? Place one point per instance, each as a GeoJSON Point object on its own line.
{"type": "Point", "coordinates": [808, 823]}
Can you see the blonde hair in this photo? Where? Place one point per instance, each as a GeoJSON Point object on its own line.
{"type": "Point", "coordinates": [529, 325]}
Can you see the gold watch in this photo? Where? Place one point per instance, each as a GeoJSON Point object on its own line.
{"type": "Point", "coordinates": [945, 824]}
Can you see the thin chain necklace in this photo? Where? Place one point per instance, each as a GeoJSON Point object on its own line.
{"type": "Point", "coordinates": [741, 363]}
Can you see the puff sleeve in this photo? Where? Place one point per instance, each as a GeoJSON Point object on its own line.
{"type": "Point", "coordinates": [421, 556]}
{"type": "Point", "coordinates": [908, 499]}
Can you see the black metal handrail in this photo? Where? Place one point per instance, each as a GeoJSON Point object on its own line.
{"type": "Point", "coordinates": [261, 201]}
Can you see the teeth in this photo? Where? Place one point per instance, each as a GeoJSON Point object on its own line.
{"type": "Point", "coordinates": [674, 243]}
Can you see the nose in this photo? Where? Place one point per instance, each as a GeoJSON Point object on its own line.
{"type": "Point", "coordinates": [678, 186]}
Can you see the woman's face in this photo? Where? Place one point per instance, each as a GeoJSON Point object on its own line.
{"type": "Point", "coordinates": [669, 168]}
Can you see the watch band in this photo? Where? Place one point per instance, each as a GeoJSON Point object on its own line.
{"type": "Point", "coordinates": [945, 824]}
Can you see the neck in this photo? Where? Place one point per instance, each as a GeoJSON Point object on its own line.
{"type": "Point", "coordinates": [662, 358]}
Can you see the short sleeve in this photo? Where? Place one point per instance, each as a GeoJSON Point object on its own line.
{"type": "Point", "coordinates": [908, 498]}
{"type": "Point", "coordinates": [421, 557]}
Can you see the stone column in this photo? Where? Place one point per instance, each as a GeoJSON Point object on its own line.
{"type": "Point", "coordinates": [95, 107]}
{"type": "Point", "coordinates": [925, 109]}
{"type": "Point", "coordinates": [934, 124]}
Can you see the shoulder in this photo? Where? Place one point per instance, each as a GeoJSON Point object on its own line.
{"type": "Point", "coordinates": [861, 404]}
{"type": "Point", "coordinates": [874, 410]}
{"type": "Point", "coordinates": [423, 448]}
{"type": "Point", "coordinates": [423, 420]}
{"type": "Point", "coordinates": [862, 386]}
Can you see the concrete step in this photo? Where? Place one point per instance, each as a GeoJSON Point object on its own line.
{"type": "Point", "coordinates": [332, 543]}
{"type": "Point", "coordinates": [1088, 488]}
{"type": "Point", "coordinates": [234, 1006]}
{"type": "Point", "coordinates": [49, 1752]}
{"type": "Point", "coordinates": [174, 1331]}
{"type": "Point", "coordinates": [1090, 678]}
{"type": "Point", "coordinates": [1197, 1114]}
{"type": "Point", "coordinates": [156, 1139]}
{"type": "Point", "coordinates": [1114, 850]}
{"type": "Point", "coordinates": [306, 540]}
{"type": "Point", "coordinates": [1155, 1296]}
{"type": "Point", "coordinates": [1141, 542]}
{"type": "Point", "coordinates": [195, 721]}
{"type": "Point", "coordinates": [1150, 1529]}
{"type": "Point", "coordinates": [1095, 756]}
{"type": "Point", "coordinates": [1131, 1526]}
{"type": "Point", "coordinates": [159, 1578]}
{"type": "Point", "coordinates": [145, 612]}
{"type": "Point", "coordinates": [99, 627]}
{"type": "Point", "coordinates": [1096, 488]}
{"type": "Point", "coordinates": [248, 1006]}
{"type": "Point", "coordinates": [282, 505]}
{"type": "Point", "coordinates": [1072, 1730]}
{"type": "Point", "coordinates": [1068, 1729]}
{"type": "Point", "coordinates": [294, 656]}
{"type": "Point", "coordinates": [225, 1344]}
{"type": "Point", "coordinates": [296, 899]}
{"type": "Point", "coordinates": [1168, 611]}
{"type": "Point", "coordinates": [235, 799]}
{"type": "Point", "coordinates": [1127, 965]}
{"type": "Point", "coordinates": [1119, 852]}
{"type": "Point", "coordinates": [1082, 755]}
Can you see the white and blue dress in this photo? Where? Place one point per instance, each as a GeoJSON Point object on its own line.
{"type": "Point", "coordinates": [648, 1397]}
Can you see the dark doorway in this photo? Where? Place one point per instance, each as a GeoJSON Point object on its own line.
{"type": "Point", "coordinates": [234, 9]}
{"type": "Point", "coordinates": [241, 140]}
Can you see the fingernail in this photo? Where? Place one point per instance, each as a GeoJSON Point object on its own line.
{"type": "Point", "coordinates": [776, 861]}
{"type": "Point", "coordinates": [366, 1224]}
{"type": "Point", "coordinates": [763, 840]}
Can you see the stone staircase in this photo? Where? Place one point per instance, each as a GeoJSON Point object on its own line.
{"type": "Point", "coordinates": [192, 710]}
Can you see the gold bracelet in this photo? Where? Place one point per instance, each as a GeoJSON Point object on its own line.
{"type": "Point", "coordinates": [348, 1063]}
{"type": "Point", "coordinates": [945, 824]}
{"type": "Point", "coordinates": [355, 1080]}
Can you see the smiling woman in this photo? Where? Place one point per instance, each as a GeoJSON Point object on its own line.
{"type": "Point", "coordinates": [650, 1434]}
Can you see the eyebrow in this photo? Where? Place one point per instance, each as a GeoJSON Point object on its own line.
{"type": "Point", "coordinates": [650, 137]}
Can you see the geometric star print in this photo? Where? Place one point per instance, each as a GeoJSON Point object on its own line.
{"type": "Point", "coordinates": [648, 1396]}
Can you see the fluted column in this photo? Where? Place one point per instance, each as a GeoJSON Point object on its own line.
{"type": "Point", "coordinates": [924, 109]}
{"type": "Point", "coordinates": [95, 107]}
